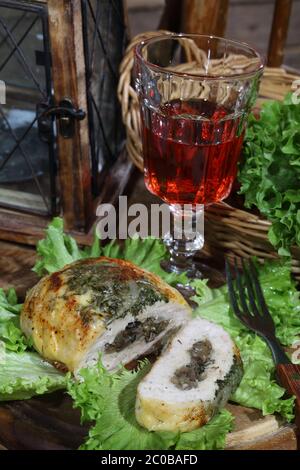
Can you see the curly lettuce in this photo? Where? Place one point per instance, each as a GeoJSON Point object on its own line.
{"type": "Point", "coordinates": [109, 400]}
{"type": "Point", "coordinates": [10, 332]}
{"type": "Point", "coordinates": [23, 373]}
{"type": "Point", "coordinates": [270, 170]}
{"type": "Point", "coordinates": [58, 249]}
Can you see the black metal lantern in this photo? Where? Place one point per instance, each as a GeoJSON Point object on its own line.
{"type": "Point", "coordinates": [61, 134]}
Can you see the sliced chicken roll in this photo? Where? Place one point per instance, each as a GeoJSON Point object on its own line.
{"type": "Point", "coordinates": [101, 305]}
{"type": "Point", "coordinates": [193, 378]}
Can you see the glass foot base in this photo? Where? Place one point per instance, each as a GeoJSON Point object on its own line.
{"type": "Point", "coordinates": [195, 270]}
{"type": "Point", "coordinates": [191, 270]}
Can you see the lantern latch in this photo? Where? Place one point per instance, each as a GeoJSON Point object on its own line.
{"type": "Point", "coordinates": [66, 115]}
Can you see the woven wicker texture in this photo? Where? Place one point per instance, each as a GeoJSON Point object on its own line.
{"type": "Point", "coordinates": [227, 229]}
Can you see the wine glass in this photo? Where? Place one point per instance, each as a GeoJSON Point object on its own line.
{"type": "Point", "coordinates": [195, 94]}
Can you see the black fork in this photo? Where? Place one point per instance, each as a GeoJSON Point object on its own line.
{"type": "Point", "coordinates": [249, 305]}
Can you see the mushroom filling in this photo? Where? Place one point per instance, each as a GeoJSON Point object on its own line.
{"type": "Point", "coordinates": [188, 376]}
{"type": "Point", "coordinates": [135, 330]}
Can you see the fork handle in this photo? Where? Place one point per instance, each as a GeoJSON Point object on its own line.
{"type": "Point", "coordinates": [277, 351]}
{"type": "Point", "coordinates": [289, 377]}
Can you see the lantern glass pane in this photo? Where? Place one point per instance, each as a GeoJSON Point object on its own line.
{"type": "Point", "coordinates": [104, 35]}
{"type": "Point", "coordinates": [27, 176]}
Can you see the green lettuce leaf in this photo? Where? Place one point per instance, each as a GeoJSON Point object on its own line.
{"type": "Point", "coordinates": [210, 437]}
{"type": "Point", "coordinates": [270, 170]}
{"type": "Point", "coordinates": [148, 254]}
{"type": "Point", "coordinates": [25, 374]}
{"type": "Point", "coordinates": [10, 332]}
{"type": "Point", "coordinates": [58, 249]}
{"type": "Point", "coordinates": [109, 400]}
{"type": "Point", "coordinates": [258, 388]}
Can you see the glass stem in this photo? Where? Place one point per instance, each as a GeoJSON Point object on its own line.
{"type": "Point", "coordinates": [185, 238]}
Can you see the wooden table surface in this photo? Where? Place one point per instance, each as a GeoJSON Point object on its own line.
{"type": "Point", "coordinates": [49, 422]}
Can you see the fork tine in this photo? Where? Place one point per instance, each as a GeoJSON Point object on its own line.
{"type": "Point", "coordinates": [232, 296]}
{"type": "Point", "coordinates": [240, 289]}
{"type": "Point", "coordinates": [250, 290]}
{"type": "Point", "coordinates": [258, 289]}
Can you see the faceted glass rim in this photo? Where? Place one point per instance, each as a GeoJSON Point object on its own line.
{"type": "Point", "coordinates": [167, 36]}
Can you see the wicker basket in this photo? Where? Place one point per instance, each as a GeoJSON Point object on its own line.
{"type": "Point", "coordinates": [237, 232]}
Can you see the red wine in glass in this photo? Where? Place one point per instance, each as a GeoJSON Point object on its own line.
{"type": "Point", "coordinates": [191, 149]}
{"type": "Point", "coordinates": [195, 94]}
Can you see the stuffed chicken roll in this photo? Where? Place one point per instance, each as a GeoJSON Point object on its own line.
{"type": "Point", "coordinates": [101, 305]}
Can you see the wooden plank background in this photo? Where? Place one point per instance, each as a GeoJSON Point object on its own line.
{"type": "Point", "coordinates": [248, 20]}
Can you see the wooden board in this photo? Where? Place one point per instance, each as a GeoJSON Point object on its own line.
{"type": "Point", "coordinates": [50, 422]}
